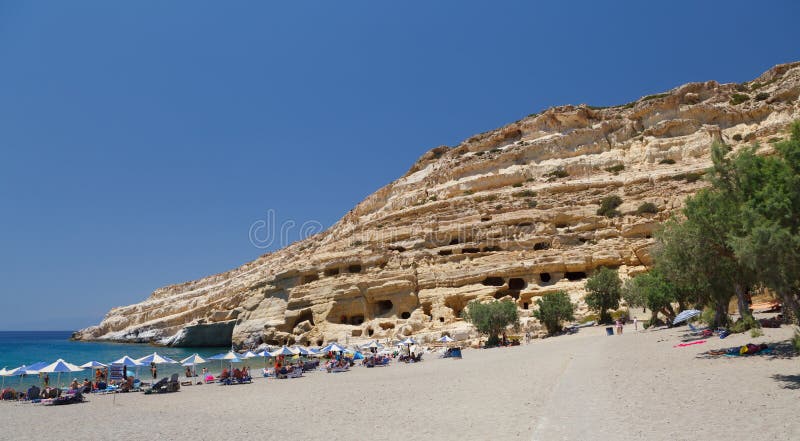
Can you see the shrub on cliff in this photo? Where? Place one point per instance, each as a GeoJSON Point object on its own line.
{"type": "Point", "coordinates": [647, 207]}
{"type": "Point", "coordinates": [608, 206]}
{"type": "Point", "coordinates": [604, 290]}
{"type": "Point", "coordinates": [491, 318]}
{"type": "Point", "coordinates": [554, 309]}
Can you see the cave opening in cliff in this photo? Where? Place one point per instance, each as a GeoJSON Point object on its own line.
{"type": "Point", "coordinates": [456, 304]}
{"type": "Point", "coordinates": [370, 332]}
{"type": "Point", "coordinates": [383, 307]}
{"type": "Point", "coordinates": [356, 333]}
{"type": "Point", "coordinates": [525, 305]}
{"type": "Point", "coordinates": [426, 308]}
{"type": "Point", "coordinates": [354, 268]}
{"type": "Point", "coordinates": [561, 225]}
{"type": "Point", "coordinates": [454, 241]}
{"type": "Point", "coordinates": [445, 252]}
{"type": "Point", "coordinates": [331, 272]}
{"type": "Point", "coordinates": [510, 292]}
{"type": "Point", "coordinates": [308, 278]}
{"type": "Point", "coordinates": [575, 275]}
{"type": "Point", "coordinates": [544, 277]}
{"type": "Point", "coordinates": [320, 342]}
{"type": "Point", "coordinates": [405, 315]}
{"type": "Point", "coordinates": [492, 249]}
{"type": "Point", "coordinates": [516, 283]}
{"type": "Point", "coordinates": [470, 250]}
{"type": "Point", "coordinates": [494, 281]}
{"type": "Point", "coordinates": [539, 246]}
{"type": "Point", "coordinates": [386, 325]}
{"type": "Point", "coordinates": [305, 315]}
{"type": "Point", "coordinates": [343, 319]}
{"type": "Point", "coordinates": [357, 319]}
{"type": "Point", "coordinates": [441, 319]}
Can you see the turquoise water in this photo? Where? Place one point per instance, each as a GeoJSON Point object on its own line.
{"type": "Point", "coordinates": [26, 347]}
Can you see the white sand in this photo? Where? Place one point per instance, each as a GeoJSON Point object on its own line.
{"type": "Point", "coordinates": [585, 386]}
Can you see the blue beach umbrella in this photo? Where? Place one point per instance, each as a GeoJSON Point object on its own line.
{"type": "Point", "coordinates": [333, 347]}
{"type": "Point", "coordinates": [283, 351]}
{"type": "Point", "coordinates": [685, 315]}
{"type": "Point", "coordinates": [230, 356]}
{"type": "Point", "coordinates": [193, 360]}
{"type": "Point", "coordinates": [126, 361]}
{"type": "Point", "coordinates": [93, 364]}
{"type": "Point", "coordinates": [58, 367]}
{"type": "Point", "coordinates": [445, 339]}
{"type": "Point", "coordinates": [301, 350]}
{"type": "Point", "coordinates": [155, 358]}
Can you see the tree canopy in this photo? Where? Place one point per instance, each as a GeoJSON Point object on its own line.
{"type": "Point", "coordinates": [604, 290]}
{"type": "Point", "coordinates": [554, 309]}
{"type": "Point", "coordinates": [491, 318]}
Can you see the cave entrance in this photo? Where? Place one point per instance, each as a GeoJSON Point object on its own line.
{"type": "Point", "coordinates": [370, 331]}
{"type": "Point", "coordinates": [308, 278]}
{"type": "Point", "coordinates": [525, 305]}
{"type": "Point", "coordinates": [541, 246]}
{"type": "Point", "coordinates": [441, 319]}
{"type": "Point", "coordinates": [355, 333]}
{"type": "Point", "coordinates": [454, 241]}
{"type": "Point", "coordinates": [426, 308]}
{"type": "Point", "coordinates": [492, 249]}
{"type": "Point", "coordinates": [354, 268]}
{"type": "Point", "coordinates": [544, 277]}
{"type": "Point", "coordinates": [513, 293]}
{"type": "Point", "coordinates": [494, 281]}
{"type": "Point", "coordinates": [457, 304]}
{"type": "Point", "coordinates": [383, 307]}
{"type": "Point", "coordinates": [405, 315]}
{"type": "Point", "coordinates": [343, 319]}
{"type": "Point", "coordinates": [445, 252]}
{"type": "Point", "coordinates": [331, 271]}
{"type": "Point", "coordinates": [471, 250]}
{"type": "Point", "coordinates": [516, 283]}
{"type": "Point", "coordinates": [305, 315]}
{"type": "Point", "coordinates": [575, 275]}
{"type": "Point", "coordinates": [320, 342]}
{"type": "Point", "coordinates": [356, 320]}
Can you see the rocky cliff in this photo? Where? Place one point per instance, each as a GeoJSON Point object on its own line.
{"type": "Point", "coordinates": [511, 213]}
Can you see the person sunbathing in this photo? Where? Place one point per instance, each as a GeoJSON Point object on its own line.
{"type": "Point", "coordinates": [74, 385]}
{"type": "Point", "coordinates": [237, 374]}
{"type": "Point", "coordinates": [225, 374]}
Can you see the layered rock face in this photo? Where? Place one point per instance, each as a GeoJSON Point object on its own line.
{"type": "Point", "coordinates": [510, 213]}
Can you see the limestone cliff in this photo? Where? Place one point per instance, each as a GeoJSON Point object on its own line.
{"type": "Point", "coordinates": [507, 213]}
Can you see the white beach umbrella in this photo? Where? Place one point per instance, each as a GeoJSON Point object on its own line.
{"type": "Point", "coordinates": [301, 350]}
{"type": "Point", "coordinates": [372, 345]}
{"type": "Point", "coordinates": [193, 360]}
{"type": "Point", "coordinates": [127, 361]}
{"type": "Point", "coordinates": [250, 354]}
{"type": "Point", "coordinates": [685, 315]}
{"type": "Point", "coordinates": [445, 339]}
{"type": "Point", "coordinates": [60, 366]}
{"type": "Point", "coordinates": [333, 347]}
{"type": "Point", "coordinates": [230, 357]}
{"type": "Point", "coordinates": [156, 358]}
{"type": "Point", "coordinates": [283, 351]}
{"type": "Point", "coordinates": [93, 364]}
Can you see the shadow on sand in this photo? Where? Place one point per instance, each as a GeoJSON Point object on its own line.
{"type": "Point", "coordinates": [790, 381]}
{"type": "Point", "coordinates": [777, 350]}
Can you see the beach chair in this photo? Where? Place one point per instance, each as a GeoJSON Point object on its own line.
{"type": "Point", "coordinates": [173, 385]}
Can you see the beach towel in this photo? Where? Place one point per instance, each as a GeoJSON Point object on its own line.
{"type": "Point", "coordinates": [682, 345]}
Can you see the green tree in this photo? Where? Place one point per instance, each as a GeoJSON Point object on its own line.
{"type": "Point", "coordinates": [491, 318]}
{"type": "Point", "coordinates": [604, 289]}
{"type": "Point", "coordinates": [554, 309]}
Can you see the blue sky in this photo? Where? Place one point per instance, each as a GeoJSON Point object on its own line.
{"type": "Point", "coordinates": [139, 141]}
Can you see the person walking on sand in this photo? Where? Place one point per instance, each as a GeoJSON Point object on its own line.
{"type": "Point", "coordinates": [635, 323]}
{"type": "Point", "coordinates": [619, 326]}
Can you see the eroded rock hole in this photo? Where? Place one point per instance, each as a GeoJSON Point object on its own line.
{"type": "Point", "coordinates": [471, 250]}
{"type": "Point", "coordinates": [512, 293]}
{"type": "Point", "coordinates": [356, 333]}
{"type": "Point", "coordinates": [305, 315]}
{"type": "Point", "coordinates": [575, 275]}
{"type": "Point", "coordinates": [454, 241]}
{"type": "Point", "coordinates": [441, 319]}
{"type": "Point", "coordinates": [405, 315]}
{"type": "Point", "coordinates": [343, 319]}
{"type": "Point", "coordinates": [544, 277]}
{"type": "Point", "coordinates": [356, 320]}
{"type": "Point", "coordinates": [492, 249]}
{"type": "Point", "coordinates": [426, 308]}
{"type": "Point", "coordinates": [562, 225]}
{"type": "Point", "coordinates": [494, 281]}
{"type": "Point", "coordinates": [354, 268]}
{"type": "Point", "coordinates": [525, 224]}
{"type": "Point", "coordinates": [386, 325]}
{"type": "Point", "coordinates": [486, 218]}
{"type": "Point", "coordinates": [525, 305]}
{"type": "Point", "coordinates": [370, 331]}
{"type": "Point", "coordinates": [457, 304]}
{"type": "Point", "coordinates": [320, 342]}
{"type": "Point", "coordinates": [541, 246]}
{"type": "Point", "coordinates": [308, 278]}
{"type": "Point", "coordinates": [383, 306]}
{"type": "Point", "coordinates": [331, 272]}
{"type": "Point", "coordinates": [445, 252]}
{"type": "Point", "coordinates": [516, 283]}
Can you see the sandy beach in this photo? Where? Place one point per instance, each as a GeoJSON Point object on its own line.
{"type": "Point", "coordinates": [584, 386]}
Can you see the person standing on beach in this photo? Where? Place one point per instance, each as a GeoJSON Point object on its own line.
{"type": "Point", "coordinates": [154, 370]}
{"type": "Point", "coordinates": [635, 323]}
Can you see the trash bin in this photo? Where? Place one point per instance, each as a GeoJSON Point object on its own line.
{"type": "Point", "coordinates": [609, 330]}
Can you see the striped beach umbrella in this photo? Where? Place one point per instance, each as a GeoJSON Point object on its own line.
{"type": "Point", "coordinates": [446, 339]}
{"type": "Point", "coordinates": [193, 360]}
{"type": "Point", "coordinates": [283, 351]}
{"type": "Point", "coordinates": [155, 358]}
{"type": "Point", "coordinates": [58, 367]}
{"type": "Point", "coordinates": [301, 350]}
{"type": "Point", "coordinates": [333, 347]}
{"type": "Point", "coordinates": [126, 361]}
{"type": "Point", "coordinates": [685, 315]}
{"type": "Point", "coordinates": [93, 364]}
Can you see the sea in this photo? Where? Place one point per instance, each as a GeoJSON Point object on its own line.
{"type": "Point", "coordinates": [29, 347]}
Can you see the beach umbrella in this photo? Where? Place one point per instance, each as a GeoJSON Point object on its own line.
{"type": "Point", "coordinates": [93, 364]}
{"type": "Point", "coordinates": [4, 373]}
{"type": "Point", "coordinates": [445, 339]}
{"type": "Point", "coordinates": [155, 358]}
{"type": "Point", "coordinates": [230, 357]}
{"type": "Point", "coordinates": [332, 347]}
{"type": "Point", "coordinates": [358, 356]}
{"type": "Point", "coordinates": [24, 370]}
{"type": "Point", "coordinates": [126, 361]}
{"type": "Point", "coordinates": [193, 360]}
{"type": "Point", "coordinates": [685, 315]}
{"type": "Point", "coordinates": [301, 350]}
{"type": "Point", "coordinates": [283, 351]}
{"type": "Point", "coordinates": [372, 345]}
{"type": "Point", "coordinates": [60, 366]}
{"type": "Point", "coordinates": [250, 354]}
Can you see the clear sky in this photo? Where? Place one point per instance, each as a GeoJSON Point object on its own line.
{"type": "Point", "coordinates": [139, 141]}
